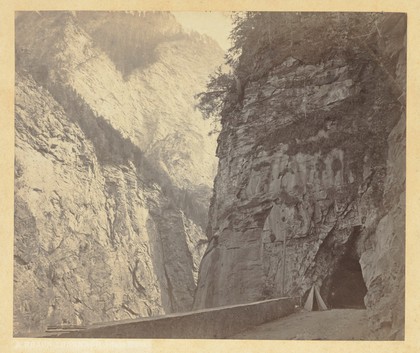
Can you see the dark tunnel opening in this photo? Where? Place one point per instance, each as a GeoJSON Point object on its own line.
{"type": "Point", "coordinates": [347, 287]}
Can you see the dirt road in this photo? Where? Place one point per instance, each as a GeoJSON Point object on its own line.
{"type": "Point", "coordinates": [336, 324]}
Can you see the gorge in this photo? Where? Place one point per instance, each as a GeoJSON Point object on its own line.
{"type": "Point", "coordinates": [310, 188]}
{"type": "Point", "coordinates": [122, 209]}
{"type": "Point", "coordinates": [113, 166]}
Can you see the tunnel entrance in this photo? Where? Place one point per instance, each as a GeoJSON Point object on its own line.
{"type": "Point", "coordinates": [347, 288]}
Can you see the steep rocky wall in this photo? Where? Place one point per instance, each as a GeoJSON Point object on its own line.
{"type": "Point", "coordinates": [93, 241]}
{"type": "Point", "coordinates": [314, 155]}
{"type": "Point", "coordinates": [108, 215]}
{"type": "Point", "coordinates": [153, 106]}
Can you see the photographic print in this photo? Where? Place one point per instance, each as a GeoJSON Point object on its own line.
{"type": "Point", "coordinates": [210, 175]}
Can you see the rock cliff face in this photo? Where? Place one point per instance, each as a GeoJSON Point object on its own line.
{"type": "Point", "coordinates": [113, 166]}
{"type": "Point", "coordinates": [310, 186]}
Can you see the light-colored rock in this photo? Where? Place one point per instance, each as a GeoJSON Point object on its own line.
{"type": "Point", "coordinates": [154, 112]}
{"type": "Point", "coordinates": [111, 190]}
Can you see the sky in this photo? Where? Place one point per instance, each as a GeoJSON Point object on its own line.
{"type": "Point", "coordinates": [215, 24]}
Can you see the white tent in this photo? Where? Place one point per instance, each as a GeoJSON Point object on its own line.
{"type": "Point", "coordinates": [314, 295]}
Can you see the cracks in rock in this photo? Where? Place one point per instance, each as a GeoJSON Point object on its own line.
{"type": "Point", "coordinates": [170, 290]}
{"type": "Point", "coordinates": [326, 213]}
{"type": "Point", "coordinates": [44, 150]}
{"type": "Point", "coordinates": [399, 90]}
{"type": "Point", "coordinates": [366, 183]}
{"type": "Point", "coordinates": [309, 270]}
{"type": "Point", "coordinates": [85, 61]}
{"type": "Point", "coordinates": [200, 243]}
{"type": "Point", "coordinates": [233, 247]}
{"type": "Point", "coordinates": [136, 283]}
{"type": "Point", "coordinates": [129, 310]}
{"type": "Point", "coordinates": [110, 220]}
{"type": "Point", "coordinates": [209, 249]}
{"type": "Point", "coordinates": [78, 300]}
{"type": "Point", "coordinates": [346, 210]}
{"type": "Point", "coordinates": [20, 260]}
{"type": "Point", "coordinates": [53, 250]}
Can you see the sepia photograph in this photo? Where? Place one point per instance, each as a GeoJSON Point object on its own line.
{"type": "Point", "coordinates": [210, 175]}
{"type": "Point", "coordinates": [185, 176]}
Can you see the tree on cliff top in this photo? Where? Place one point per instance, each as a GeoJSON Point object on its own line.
{"type": "Point", "coordinates": [261, 40]}
{"type": "Point", "coordinates": [224, 83]}
{"type": "Point", "coordinates": [211, 102]}
{"type": "Point", "coordinates": [251, 31]}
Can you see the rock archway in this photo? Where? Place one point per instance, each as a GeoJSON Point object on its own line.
{"type": "Point", "coordinates": [347, 288]}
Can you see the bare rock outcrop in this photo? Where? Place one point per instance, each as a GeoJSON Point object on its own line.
{"type": "Point", "coordinates": [310, 186]}
{"type": "Point", "coordinates": [109, 216]}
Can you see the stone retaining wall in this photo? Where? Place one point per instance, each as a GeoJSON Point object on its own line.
{"type": "Point", "coordinates": [218, 322]}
